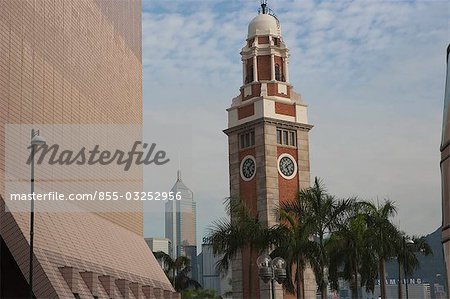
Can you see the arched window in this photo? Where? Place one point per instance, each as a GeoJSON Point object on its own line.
{"type": "Point", "coordinates": [277, 72]}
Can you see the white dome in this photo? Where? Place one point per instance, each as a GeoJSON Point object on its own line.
{"type": "Point", "coordinates": [263, 24]}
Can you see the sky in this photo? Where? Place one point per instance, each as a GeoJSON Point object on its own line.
{"type": "Point", "coordinates": [372, 73]}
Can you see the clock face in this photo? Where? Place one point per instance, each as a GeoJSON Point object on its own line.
{"type": "Point", "coordinates": [248, 168]}
{"type": "Point", "coordinates": [287, 166]}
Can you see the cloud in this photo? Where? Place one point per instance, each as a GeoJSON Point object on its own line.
{"type": "Point", "coordinates": [372, 73]}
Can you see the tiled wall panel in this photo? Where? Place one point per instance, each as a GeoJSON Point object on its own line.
{"type": "Point", "coordinates": [71, 62]}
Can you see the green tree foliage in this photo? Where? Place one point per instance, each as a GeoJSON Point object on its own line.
{"type": "Point", "coordinates": [177, 271]}
{"type": "Point", "coordinates": [344, 239]}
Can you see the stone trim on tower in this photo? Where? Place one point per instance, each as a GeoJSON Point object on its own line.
{"type": "Point", "coordinates": [266, 106]}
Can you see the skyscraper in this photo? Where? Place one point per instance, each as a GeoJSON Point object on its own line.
{"type": "Point", "coordinates": [181, 219]}
{"type": "Point", "coordinates": [209, 276]}
{"type": "Point", "coordinates": [268, 142]}
{"type": "Point", "coordinates": [445, 169]}
{"type": "Point", "coordinates": [73, 63]}
{"type": "Point", "coordinates": [158, 244]}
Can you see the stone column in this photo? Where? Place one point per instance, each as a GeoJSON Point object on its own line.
{"type": "Point", "coordinates": [176, 296]}
{"type": "Point", "coordinates": [272, 67]}
{"type": "Point", "coordinates": [244, 71]}
{"type": "Point", "coordinates": [148, 292]}
{"type": "Point", "coordinates": [136, 289]}
{"type": "Point", "coordinates": [255, 68]}
{"type": "Point", "coordinates": [158, 293]}
{"type": "Point", "coordinates": [286, 69]}
{"type": "Point", "coordinates": [123, 286]}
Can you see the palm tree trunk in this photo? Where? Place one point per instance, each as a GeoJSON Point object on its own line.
{"type": "Point", "coordinates": [354, 285]}
{"type": "Point", "coordinates": [300, 289]}
{"type": "Point", "coordinates": [382, 278]}
{"type": "Point", "coordinates": [323, 292]}
{"type": "Point", "coordinates": [323, 288]}
{"type": "Point", "coordinates": [250, 268]}
{"type": "Point", "coordinates": [400, 291]}
{"type": "Point", "coordinates": [302, 281]}
{"type": "Point", "coordinates": [173, 277]}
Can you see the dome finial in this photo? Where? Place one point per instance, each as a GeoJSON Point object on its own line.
{"type": "Point", "coordinates": [264, 6]}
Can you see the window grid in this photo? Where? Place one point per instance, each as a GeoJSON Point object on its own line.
{"type": "Point", "coordinates": [247, 139]}
{"type": "Point", "coordinates": [286, 137]}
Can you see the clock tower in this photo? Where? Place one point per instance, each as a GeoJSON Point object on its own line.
{"type": "Point", "coordinates": [268, 142]}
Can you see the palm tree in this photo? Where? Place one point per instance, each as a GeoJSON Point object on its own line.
{"type": "Point", "coordinates": [177, 271]}
{"type": "Point", "coordinates": [383, 235]}
{"type": "Point", "coordinates": [242, 232]}
{"type": "Point", "coordinates": [322, 213]}
{"type": "Point", "coordinates": [295, 246]}
{"type": "Point", "coordinates": [199, 294]}
{"type": "Point", "coordinates": [351, 255]}
{"type": "Point", "coordinates": [407, 250]}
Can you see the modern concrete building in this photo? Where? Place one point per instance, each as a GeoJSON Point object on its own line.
{"type": "Point", "coordinates": [159, 244]}
{"type": "Point", "coordinates": [73, 63]}
{"type": "Point", "coordinates": [445, 170]}
{"type": "Point", "coordinates": [268, 138]}
{"type": "Point", "coordinates": [416, 290]}
{"type": "Point", "coordinates": [211, 278]}
{"type": "Point", "coordinates": [191, 252]}
{"type": "Point", "coordinates": [181, 219]}
{"type": "Point", "coordinates": [438, 292]}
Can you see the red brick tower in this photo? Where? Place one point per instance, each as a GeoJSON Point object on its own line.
{"type": "Point", "coordinates": [268, 141]}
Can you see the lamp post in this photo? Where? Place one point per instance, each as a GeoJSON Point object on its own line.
{"type": "Point", "coordinates": [271, 270]}
{"type": "Point", "coordinates": [407, 242]}
{"type": "Point", "coordinates": [35, 141]}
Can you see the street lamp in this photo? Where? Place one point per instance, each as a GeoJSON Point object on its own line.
{"type": "Point", "coordinates": [406, 242]}
{"type": "Point", "coordinates": [36, 140]}
{"type": "Point", "coordinates": [271, 270]}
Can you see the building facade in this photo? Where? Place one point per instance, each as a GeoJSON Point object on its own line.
{"type": "Point", "coordinates": [181, 219]}
{"type": "Point", "coordinates": [445, 171]}
{"type": "Point", "coordinates": [159, 244]}
{"type": "Point", "coordinates": [73, 63]}
{"type": "Point", "coordinates": [190, 251]}
{"type": "Point", "coordinates": [211, 278]}
{"type": "Point", "coordinates": [417, 289]}
{"type": "Point", "coordinates": [268, 143]}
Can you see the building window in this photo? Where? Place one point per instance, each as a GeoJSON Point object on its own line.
{"type": "Point", "coordinates": [276, 41]}
{"type": "Point", "coordinates": [247, 139]}
{"type": "Point", "coordinates": [249, 75]}
{"type": "Point", "coordinates": [277, 72]}
{"type": "Point", "coordinates": [286, 137]}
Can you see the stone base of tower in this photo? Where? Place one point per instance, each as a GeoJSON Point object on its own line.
{"type": "Point", "coordinates": [310, 283]}
{"type": "Point", "coordinates": [310, 287]}
{"type": "Point", "coordinates": [446, 247]}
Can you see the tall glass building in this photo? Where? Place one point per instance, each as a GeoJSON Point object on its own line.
{"type": "Point", "coordinates": [181, 219]}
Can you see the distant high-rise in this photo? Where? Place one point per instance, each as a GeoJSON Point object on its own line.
{"type": "Point", "coordinates": [209, 276]}
{"type": "Point", "coordinates": [445, 169]}
{"type": "Point", "coordinates": [181, 219]}
{"type": "Point", "coordinates": [159, 244]}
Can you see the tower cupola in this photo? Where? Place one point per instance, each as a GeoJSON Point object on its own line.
{"type": "Point", "coordinates": [266, 90]}
{"type": "Point", "coordinates": [264, 24]}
